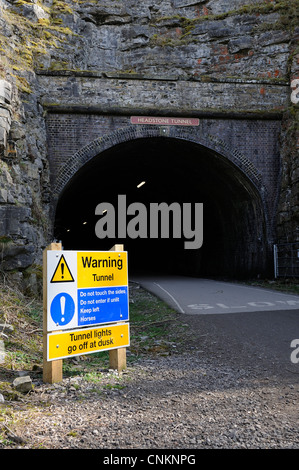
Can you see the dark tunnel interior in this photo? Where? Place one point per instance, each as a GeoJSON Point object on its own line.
{"type": "Point", "coordinates": [234, 238]}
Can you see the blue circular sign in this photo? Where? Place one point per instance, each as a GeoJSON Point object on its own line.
{"type": "Point", "coordinates": [62, 308]}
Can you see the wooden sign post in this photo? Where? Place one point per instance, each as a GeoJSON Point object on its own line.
{"type": "Point", "coordinates": [52, 370]}
{"type": "Point", "coordinates": [117, 357]}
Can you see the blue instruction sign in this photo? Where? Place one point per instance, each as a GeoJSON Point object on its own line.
{"type": "Point", "coordinates": [102, 305]}
{"type": "Point", "coordinates": [86, 288]}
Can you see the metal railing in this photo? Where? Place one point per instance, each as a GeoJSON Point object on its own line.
{"type": "Point", "coordinates": [286, 260]}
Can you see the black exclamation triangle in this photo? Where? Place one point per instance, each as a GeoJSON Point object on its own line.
{"type": "Point", "coordinates": [62, 269]}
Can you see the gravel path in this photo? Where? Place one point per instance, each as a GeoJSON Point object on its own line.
{"type": "Point", "coordinates": [214, 391]}
{"type": "Point", "coordinates": [177, 402]}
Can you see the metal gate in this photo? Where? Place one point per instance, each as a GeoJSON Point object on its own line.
{"type": "Point", "coordinates": [286, 260]}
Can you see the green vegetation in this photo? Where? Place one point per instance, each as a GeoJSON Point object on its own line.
{"type": "Point", "coordinates": [4, 239]}
{"type": "Point", "coordinates": [288, 19]}
{"type": "Point", "coordinates": [33, 39]}
{"type": "Point", "coordinates": [288, 9]}
{"type": "Point", "coordinates": [24, 345]}
{"type": "Point", "coordinates": [283, 285]}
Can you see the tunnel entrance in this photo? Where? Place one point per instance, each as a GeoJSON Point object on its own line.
{"type": "Point", "coordinates": [174, 170]}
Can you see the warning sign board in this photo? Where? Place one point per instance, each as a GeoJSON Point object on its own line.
{"type": "Point", "coordinates": [86, 341]}
{"type": "Point", "coordinates": [86, 288]}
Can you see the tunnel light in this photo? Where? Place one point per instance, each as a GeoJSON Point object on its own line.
{"type": "Point", "coordinates": [84, 223]}
{"type": "Point", "coordinates": [140, 184]}
{"type": "Point", "coordinates": [104, 211]}
{"type": "Point", "coordinates": [68, 230]}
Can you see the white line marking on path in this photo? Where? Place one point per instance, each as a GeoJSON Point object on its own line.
{"type": "Point", "coordinates": [182, 311]}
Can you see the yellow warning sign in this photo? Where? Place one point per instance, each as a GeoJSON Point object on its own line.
{"type": "Point", "coordinates": [62, 272]}
{"type": "Point", "coordinates": [96, 269]}
{"type": "Point", "coordinates": [77, 342]}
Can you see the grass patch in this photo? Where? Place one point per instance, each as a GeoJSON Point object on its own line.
{"type": "Point", "coordinates": [282, 285]}
{"type": "Point", "coordinates": [155, 327]}
{"type": "Point", "coordinates": [23, 343]}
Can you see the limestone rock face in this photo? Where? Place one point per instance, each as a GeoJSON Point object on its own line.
{"type": "Point", "coordinates": [5, 112]}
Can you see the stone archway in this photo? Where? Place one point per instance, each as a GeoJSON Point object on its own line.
{"type": "Point", "coordinates": [238, 235]}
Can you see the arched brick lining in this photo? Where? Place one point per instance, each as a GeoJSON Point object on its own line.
{"type": "Point", "coordinates": [98, 146]}
{"type": "Point", "coordinates": [211, 142]}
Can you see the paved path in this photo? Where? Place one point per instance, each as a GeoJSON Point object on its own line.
{"type": "Point", "coordinates": [204, 296]}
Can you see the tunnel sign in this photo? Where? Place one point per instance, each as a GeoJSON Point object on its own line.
{"type": "Point", "coordinates": [86, 288]}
